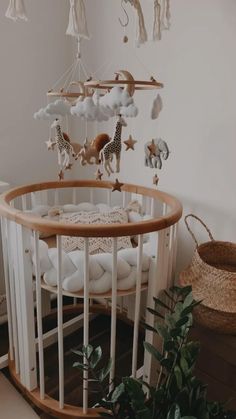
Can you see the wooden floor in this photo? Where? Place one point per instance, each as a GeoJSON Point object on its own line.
{"type": "Point", "coordinates": [216, 365]}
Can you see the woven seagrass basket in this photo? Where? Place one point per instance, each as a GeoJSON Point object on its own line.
{"type": "Point", "coordinates": [212, 275]}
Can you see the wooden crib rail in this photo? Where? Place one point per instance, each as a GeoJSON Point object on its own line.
{"type": "Point", "coordinates": [112, 230]}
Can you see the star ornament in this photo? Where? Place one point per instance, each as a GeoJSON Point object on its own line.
{"type": "Point", "coordinates": [98, 175]}
{"type": "Point", "coordinates": [130, 143]}
{"type": "Point", "coordinates": [117, 186]}
{"type": "Point", "coordinates": [155, 180]}
{"type": "Point", "coordinates": [50, 144]}
{"type": "Point", "coordinates": [152, 148]}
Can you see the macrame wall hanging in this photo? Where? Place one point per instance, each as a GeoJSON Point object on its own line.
{"type": "Point", "coordinates": [77, 25]}
{"type": "Point", "coordinates": [16, 10]}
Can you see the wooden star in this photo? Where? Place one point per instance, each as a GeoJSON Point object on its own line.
{"type": "Point", "coordinates": [155, 180]}
{"type": "Point", "coordinates": [69, 166]}
{"type": "Point", "coordinates": [117, 186]}
{"type": "Point", "coordinates": [130, 143]}
{"type": "Point", "coordinates": [98, 175]}
{"type": "Point", "coordinates": [50, 144]}
{"type": "Point", "coordinates": [152, 148]}
{"type": "Point", "coordinates": [61, 175]}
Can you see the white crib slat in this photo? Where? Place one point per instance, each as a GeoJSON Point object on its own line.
{"type": "Point", "coordinates": [164, 208]}
{"type": "Point", "coordinates": [126, 197]}
{"type": "Point", "coordinates": [18, 302]}
{"type": "Point", "coordinates": [13, 294]}
{"type": "Point", "coordinates": [153, 207]}
{"type": "Point", "coordinates": [86, 320]}
{"type": "Point", "coordinates": [91, 194]}
{"type": "Point", "coordinates": [56, 197]}
{"type": "Point", "coordinates": [23, 236]}
{"type": "Point", "coordinates": [113, 312]}
{"type": "Point", "coordinates": [7, 284]}
{"type": "Point", "coordinates": [109, 197]}
{"type": "Point", "coordinates": [157, 282]}
{"type": "Point", "coordinates": [24, 202]}
{"type": "Point", "coordinates": [74, 197]}
{"type": "Point", "coordinates": [174, 245]}
{"type": "Point", "coordinates": [137, 305]}
{"type": "Point", "coordinates": [39, 316]}
{"type": "Point", "coordinates": [60, 324]}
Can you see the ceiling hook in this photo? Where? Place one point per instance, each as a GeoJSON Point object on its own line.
{"type": "Point", "coordinates": [127, 16]}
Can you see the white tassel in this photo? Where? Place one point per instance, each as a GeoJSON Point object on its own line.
{"type": "Point", "coordinates": [141, 36]}
{"type": "Point", "coordinates": [77, 25]}
{"type": "Point", "coordinates": [157, 21]}
{"type": "Point", "coordinates": [165, 14]}
{"type": "Point", "coordinates": [16, 10]}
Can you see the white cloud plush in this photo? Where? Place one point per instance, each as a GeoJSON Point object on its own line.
{"type": "Point", "coordinates": [53, 110]}
{"type": "Point", "coordinates": [116, 98]}
{"type": "Point", "coordinates": [59, 107]}
{"type": "Point", "coordinates": [130, 111]}
{"type": "Point", "coordinates": [42, 114]}
{"type": "Point", "coordinates": [89, 110]}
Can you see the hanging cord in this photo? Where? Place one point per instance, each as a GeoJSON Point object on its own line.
{"type": "Point", "coordinates": [124, 25]}
{"type": "Point", "coordinates": [65, 74]}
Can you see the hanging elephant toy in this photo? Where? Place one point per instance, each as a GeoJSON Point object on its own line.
{"type": "Point", "coordinates": [155, 151]}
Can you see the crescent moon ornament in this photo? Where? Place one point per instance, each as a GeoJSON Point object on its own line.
{"type": "Point", "coordinates": [81, 90]}
{"type": "Point", "coordinates": [126, 75]}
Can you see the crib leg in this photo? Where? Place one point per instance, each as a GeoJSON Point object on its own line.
{"type": "Point", "coordinates": [158, 280]}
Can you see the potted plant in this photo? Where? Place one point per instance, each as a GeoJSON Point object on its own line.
{"type": "Point", "coordinates": [178, 394]}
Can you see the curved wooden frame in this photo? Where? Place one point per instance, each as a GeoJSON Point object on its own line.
{"type": "Point", "coordinates": [139, 84]}
{"type": "Point", "coordinates": [88, 230]}
{"type": "Point", "coordinates": [50, 405]}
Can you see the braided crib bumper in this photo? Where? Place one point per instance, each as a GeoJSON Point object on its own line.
{"type": "Point", "coordinates": [100, 269]}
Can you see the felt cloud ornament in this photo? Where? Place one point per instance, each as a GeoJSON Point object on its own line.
{"type": "Point", "coordinates": [116, 98]}
{"type": "Point", "coordinates": [130, 111]}
{"type": "Point", "coordinates": [16, 10]}
{"type": "Point", "coordinates": [42, 114]}
{"type": "Point", "coordinates": [59, 107]}
{"type": "Point", "coordinates": [156, 107]}
{"type": "Point", "coordinates": [103, 113]}
{"type": "Point", "coordinates": [53, 110]}
{"type": "Point", "coordinates": [77, 25]}
{"type": "Point", "coordinates": [89, 110]}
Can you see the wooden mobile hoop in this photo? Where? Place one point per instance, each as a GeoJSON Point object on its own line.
{"type": "Point", "coordinates": [136, 84]}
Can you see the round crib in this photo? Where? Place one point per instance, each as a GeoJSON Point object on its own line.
{"type": "Point", "coordinates": [29, 296]}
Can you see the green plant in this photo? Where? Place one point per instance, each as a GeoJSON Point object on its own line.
{"type": "Point", "coordinates": [178, 394]}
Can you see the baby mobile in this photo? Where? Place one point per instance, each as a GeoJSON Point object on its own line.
{"type": "Point", "coordinates": [77, 93]}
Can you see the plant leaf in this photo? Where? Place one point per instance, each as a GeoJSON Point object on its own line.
{"type": "Point", "coordinates": [153, 351]}
{"type": "Point", "coordinates": [178, 376]}
{"type": "Point", "coordinates": [119, 390]}
{"type": "Point", "coordinates": [174, 412]}
{"type": "Point", "coordinates": [96, 357]}
{"type": "Point", "coordinates": [155, 313]}
{"type": "Point", "coordinates": [160, 303]}
{"type": "Point", "coordinates": [105, 371]}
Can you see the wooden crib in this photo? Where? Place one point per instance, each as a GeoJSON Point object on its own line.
{"type": "Point", "coordinates": [19, 228]}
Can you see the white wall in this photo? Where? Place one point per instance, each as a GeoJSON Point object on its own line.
{"type": "Point", "coordinates": [33, 56]}
{"type": "Point", "coordinates": [196, 61]}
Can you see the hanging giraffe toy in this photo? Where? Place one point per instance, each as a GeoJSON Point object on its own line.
{"type": "Point", "coordinates": [114, 147]}
{"type": "Point", "coordinates": [64, 149]}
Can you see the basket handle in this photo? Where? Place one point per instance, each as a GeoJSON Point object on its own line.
{"type": "Point", "coordinates": [190, 231]}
